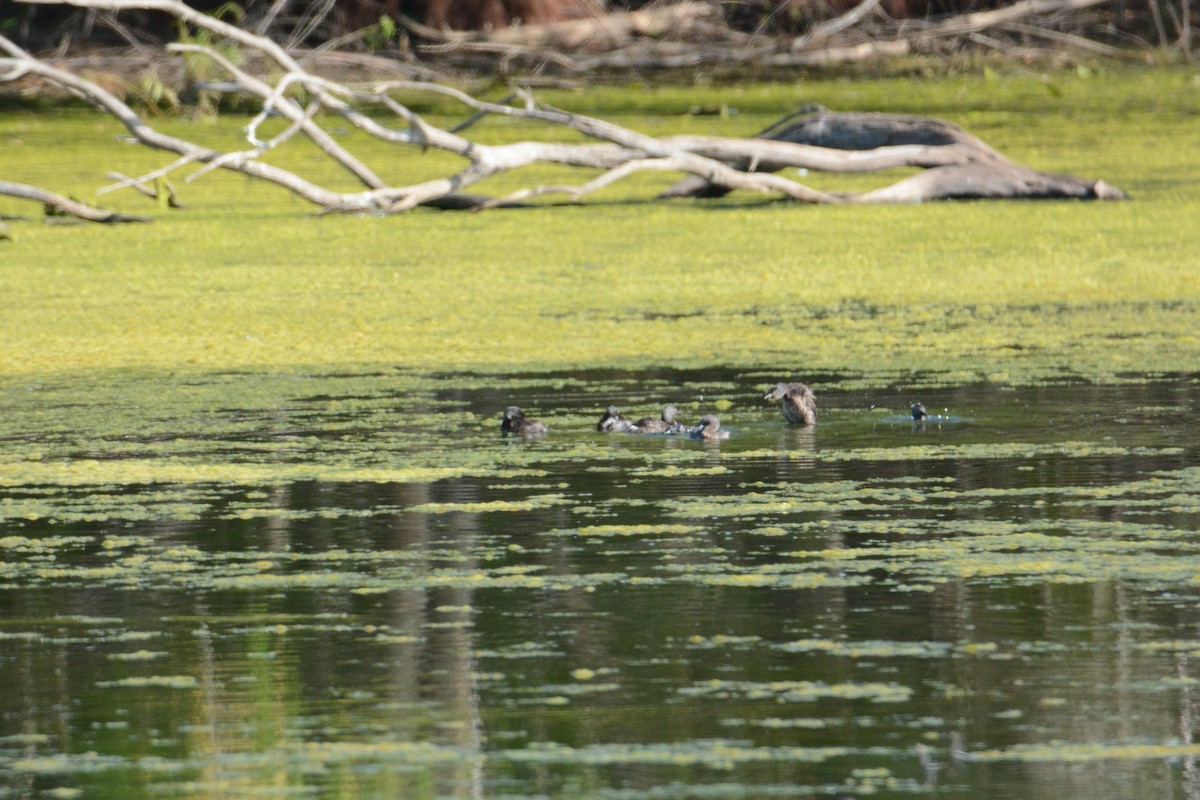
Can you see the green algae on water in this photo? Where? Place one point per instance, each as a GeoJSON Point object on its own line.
{"type": "Point", "coordinates": [1015, 293]}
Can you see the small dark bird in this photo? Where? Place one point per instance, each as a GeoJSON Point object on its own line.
{"type": "Point", "coordinates": [612, 422]}
{"type": "Point", "coordinates": [796, 401]}
{"type": "Point", "coordinates": [515, 423]}
{"type": "Point", "coordinates": [918, 411]}
{"type": "Point", "coordinates": [708, 428]}
{"type": "Point", "coordinates": [665, 425]}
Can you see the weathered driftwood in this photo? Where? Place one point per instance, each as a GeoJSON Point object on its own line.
{"type": "Point", "coordinates": [957, 164]}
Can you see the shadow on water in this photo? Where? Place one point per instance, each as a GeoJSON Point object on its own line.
{"type": "Point", "coordinates": [324, 584]}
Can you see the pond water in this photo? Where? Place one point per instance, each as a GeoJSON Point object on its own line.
{"type": "Point", "coordinates": [350, 585]}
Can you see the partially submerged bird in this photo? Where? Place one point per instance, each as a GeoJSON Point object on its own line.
{"type": "Point", "coordinates": [918, 411]}
{"type": "Point", "coordinates": [708, 428]}
{"type": "Point", "coordinates": [796, 401]}
{"type": "Point", "coordinates": [612, 422]}
{"type": "Point", "coordinates": [514, 422]}
{"type": "Point", "coordinates": [665, 425]}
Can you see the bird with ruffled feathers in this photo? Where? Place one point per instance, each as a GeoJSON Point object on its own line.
{"type": "Point", "coordinates": [515, 423]}
{"type": "Point", "coordinates": [612, 422]}
{"type": "Point", "coordinates": [796, 401]}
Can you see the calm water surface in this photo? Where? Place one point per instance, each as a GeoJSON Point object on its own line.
{"type": "Point", "coordinates": [350, 585]}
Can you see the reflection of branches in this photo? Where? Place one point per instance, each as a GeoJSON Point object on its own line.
{"type": "Point", "coordinates": [957, 168]}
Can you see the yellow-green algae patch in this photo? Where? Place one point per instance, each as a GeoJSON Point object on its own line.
{"type": "Point", "coordinates": [133, 471]}
{"type": "Point", "coordinates": [538, 501]}
{"type": "Point", "coordinates": [628, 530]}
{"type": "Point", "coordinates": [713, 754]}
{"type": "Point", "coordinates": [1084, 752]}
{"type": "Point", "coordinates": [799, 691]}
{"type": "Point", "coordinates": [153, 681]}
{"type": "Point", "coordinates": [1009, 292]}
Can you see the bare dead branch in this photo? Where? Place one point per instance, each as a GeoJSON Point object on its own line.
{"type": "Point", "coordinates": [576, 35]}
{"type": "Point", "coordinates": [505, 50]}
{"type": "Point", "coordinates": [289, 109]}
{"type": "Point", "coordinates": [157, 190]}
{"type": "Point", "coordinates": [150, 137]}
{"type": "Point", "coordinates": [828, 142]}
{"type": "Point", "coordinates": [65, 205]}
{"type": "Point", "coordinates": [822, 31]}
{"type": "Point", "coordinates": [1071, 40]}
{"type": "Point", "coordinates": [983, 20]}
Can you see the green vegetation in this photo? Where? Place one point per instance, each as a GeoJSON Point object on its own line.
{"type": "Point", "coordinates": [1014, 293]}
{"type": "Point", "coordinates": [259, 534]}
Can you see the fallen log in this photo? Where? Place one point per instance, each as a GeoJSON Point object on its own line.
{"type": "Point", "coordinates": [958, 165]}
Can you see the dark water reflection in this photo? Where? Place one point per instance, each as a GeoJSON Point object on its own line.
{"type": "Point", "coordinates": [1000, 605]}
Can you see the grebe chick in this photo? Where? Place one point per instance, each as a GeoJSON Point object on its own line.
{"type": "Point", "coordinates": [709, 428]}
{"type": "Point", "coordinates": [666, 424]}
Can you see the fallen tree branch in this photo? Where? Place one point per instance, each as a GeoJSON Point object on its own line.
{"type": "Point", "coordinates": [957, 164]}
{"type": "Point", "coordinates": [506, 50]}
{"type": "Point", "coordinates": [686, 34]}
{"type": "Point", "coordinates": [969, 168]}
{"type": "Point", "coordinates": [159, 190]}
{"type": "Point", "coordinates": [64, 205]}
{"type": "Point", "coordinates": [823, 30]}
{"type": "Point", "coordinates": [1071, 40]}
{"type": "Point", "coordinates": [573, 35]}
{"type": "Point", "coordinates": [963, 24]}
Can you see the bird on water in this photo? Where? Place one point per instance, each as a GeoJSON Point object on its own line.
{"type": "Point", "coordinates": [796, 401]}
{"type": "Point", "coordinates": [666, 424]}
{"type": "Point", "coordinates": [516, 423]}
{"type": "Point", "coordinates": [709, 428]}
{"type": "Point", "coordinates": [612, 422]}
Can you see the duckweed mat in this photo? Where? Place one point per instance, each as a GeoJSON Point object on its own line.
{"type": "Point", "coordinates": [260, 535]}
{"type": "Point", "coordinates": [353, 583]}
{"type": "Point", "coordinates": [1012, 293]}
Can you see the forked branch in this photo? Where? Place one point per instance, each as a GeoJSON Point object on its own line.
{"type": "Point", "coordinates": [957, 164]}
